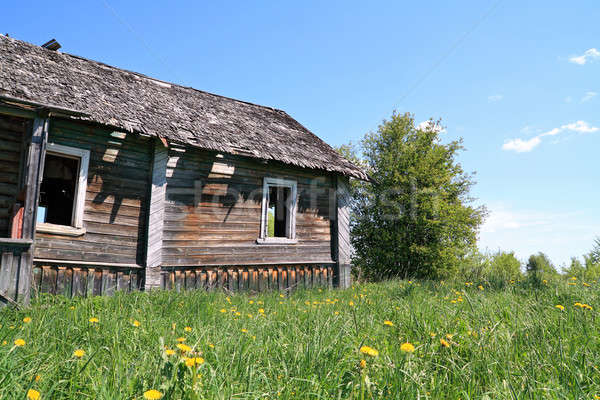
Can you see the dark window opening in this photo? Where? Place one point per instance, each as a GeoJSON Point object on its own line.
{"type": "Point", "coordinates": [277, 211]}
{"type": "Point", "coordinates": [57, 192]}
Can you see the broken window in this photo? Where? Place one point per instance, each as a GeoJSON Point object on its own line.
{"type": "Point", "coordinates": [279, 210]}
{"type": "Point", "coordinates": [57, 193]}
{"type": "Point", "coordinates": [62, 191]}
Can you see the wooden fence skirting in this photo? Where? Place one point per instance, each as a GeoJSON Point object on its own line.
{"type": "Point", "coordinates": [254, 279]}
{"type": "Point", "coordinates": [72, 280]}
{"type": "Point", "coordinates": [14, 270]}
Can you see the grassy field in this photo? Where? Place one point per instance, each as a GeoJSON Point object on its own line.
{"type": "Point", "coordinates": [465, 342]}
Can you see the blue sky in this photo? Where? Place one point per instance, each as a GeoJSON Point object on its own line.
{"type": "Point", "coordinates": [519, 81]}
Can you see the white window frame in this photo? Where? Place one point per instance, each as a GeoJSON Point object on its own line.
{"type": "Point", "coordinates": [291, 208]}
{"type": "Point", "coordinates": [76, 227]}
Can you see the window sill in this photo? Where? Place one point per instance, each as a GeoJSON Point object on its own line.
{"type": "Point", "coordinates": [276, 240]}
{"type": "Point", "coordinates": [62, 230]}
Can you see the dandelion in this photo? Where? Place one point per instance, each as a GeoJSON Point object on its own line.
{"type": "Point", "coordinates": [79, 353]}
{"type": "Point", "coordinates": [223, 310]}
{"type": "Point", "coordinates": [369, 351]}
{"type": "Point", "coordinates": [444, 343]}
{"type": "Point", "coordinates": [407, 347]}
{"type": "Point", "coordinates": [27, 320]}
{"type": "Point", "coordinates": [192, 361]}
{"type": "Point", "coordinates": [170, 352]}
{"type": "Point", "coordinates": [261, 310]}
{"type": "Point", "coordinates": [184, 347]}
{"type": "Point", "coordinates": [480, 287]}
{"type": "Point", "coordinates": [388, 323]}
{"type": "Point", "coordinates": [37, 378]}
{"type": "Point", "coordinates": [180, 339]}
{"type": "Point", "coordinates": [33, 394]}
{"type": "Point", "coordinates": [363, 363]}
{"type": "Point", "coordinates": [336, 313]}
{"type": "Point", "coordinates": [560, 307]}
{"type": "Point", "coordinates": [152, 394]}
{"type": "Point", "coordinates": [251, 302]}
{"type": "Point", "coordinates": [212, 346]}
{"type": "Point", "coordinates": [136, 323]}
{"type": "Point", "coordinates": [19, 342]}
{"type": "Point", "coordinates": [244, 330]}
{"type": "Point", "coordinates": [187, 329]}
{"type": "Point", "coordinates": [351, 303]}
{"type": "Point", "coordinates": [4, 343]}
{"type": "Point", "coordinates": [94, 320]}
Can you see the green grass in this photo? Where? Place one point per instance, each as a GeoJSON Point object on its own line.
{"type": "Point", "coordinates": [509, 343]}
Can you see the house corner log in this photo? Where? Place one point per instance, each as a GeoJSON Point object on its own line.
{"type": "Point", "coordinates": [342, 248]}
{"type": "Point", "coordinates": [156, 213]}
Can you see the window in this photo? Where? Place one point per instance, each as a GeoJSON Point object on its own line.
{"type": "Point", "coordinates": [278, 222]}
{"type": "Point", "coordinates": [62, 192]}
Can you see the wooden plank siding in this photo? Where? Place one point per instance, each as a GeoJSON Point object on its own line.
{"type": "Point", "coordinates": [12, 132]}
{"type": "Point", "coordinates": [213, 212]}
{"type": "Point", "coordinates": [116, 199]}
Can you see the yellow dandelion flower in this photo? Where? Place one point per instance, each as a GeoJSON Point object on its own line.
{"type": "Point", "coordinates": [27, 320]}
{"type": "Point", "coordinates": [449, 336]}
{"type": "Point", "coordinates": [184, 347]}
{"type": "Point", "coordinates": [94, 320]}
{"type": "Point", "coordinates": [369, 351]}
{"type": "Point", "coordinates": [251, 302]}
{"type": "Point", "coordinates": [152, 394]}
{"type": "Point", "coordinates": [336, 312]}
{"type": "Point", "coordinates": [136, 323]}
{"type": "Point", "coordinates": [180, 339]}
{"type": "Point", "coordinates": [281, 296]}
{"type": "Point", "coordinates": [407, 347]}
{"type": "Point", "coordinates": [187, 329]}
{"type": "Point", "coordinates": [261, 310]}
{"type": "Point", "coordinates": [363, 363]}
{"type": "Point", "coordinates": [388, 323]}
{"type": "Point", "coordinates": [212, 346]}
{"type": "Point", "coordinates": [237, 313]}
{"type": "Point", "coordinates": [244, 330]}
{"type": "Point", "coordinates": [223, 310]}
{"type": "Point", "coordinates": [4, 343]}
{"type": "Point", "coordinates": [444, 343]}
{"type": "Point", "coordinates": [79, 353]}
{"type": "Point", "coordinates": [480, 287]}
{"type": "Point", "coordinates": [351, 303]}
{"type": "Point", "coordinates": [560, 307]}
{"type": "Point", "coordinates": [170, 352]}
{"type": "Point", "coordinates": [37, 378]}
{"type": "Point", "coordinates": [33, 394]}
{"type": "Point", "coordinates": [19, 342]}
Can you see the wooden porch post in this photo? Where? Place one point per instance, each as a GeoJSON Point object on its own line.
{"type": "Point", "coordinates": [156, 216]}
{"type": "Point", "coordinates": [342, 248]}
{"type": "Point", "coordinates": [33, 173]}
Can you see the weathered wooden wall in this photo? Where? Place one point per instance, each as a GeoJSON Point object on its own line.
{"type": "Point", "coordinates": [12, 130]}
{"type": "Point", "coordinates": [116, 199]}
{"type": "Point", "coordinates": [75, 280]}
{"type": "Point", "coordinates": [213, 212]}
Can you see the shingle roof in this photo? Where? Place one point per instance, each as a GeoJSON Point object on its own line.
{"type": "Point", "coordinates": [136, 103]}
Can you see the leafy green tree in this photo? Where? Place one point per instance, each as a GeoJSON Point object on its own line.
{"type": "Point", "coordinates": [415, 219]}
{"type": "Point", "coordinates": [540, 267]}
{"type": "Point", "coordinates": [505, 267]}
{"type": "Point", "coordinates": [594, 254]}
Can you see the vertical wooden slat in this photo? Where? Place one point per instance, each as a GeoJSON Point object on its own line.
{"type": "Point", "coordinates": [53, 274]}
{"type": "Point", "coordinates": [263, 279]}
{"type": "Point", "coordinates": [99, 278]}
{"type": "Point", "coordinates": [68, 284]}
{"type": "Point", "coordinates": [36, 280]}
{"type": "Point", "coordinates": [134, 280]}
{"type": "Point", "coordinates": [253, 279]}
{"type": "Point", "coordinates": [300, 277]}
{"type": "Point", "coordinates": [292, 277]}
{"type": "Point", "coordinates": [330, 277]}
{"type": "Point", "coordinates": [280, 282]}
{"type": "Point", "coordinates": [123, 280]}
{"type": "Point", "coordinates": [244, 279]}
{"type": "Point", "coordinates": [201, 284]}
{"type": "Point", "coordinates": [25, 277]}
{"type": "Point", "coordinates": [6, 266]}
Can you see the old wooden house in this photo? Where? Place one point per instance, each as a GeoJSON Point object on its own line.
{"type": "Point", "coordinates": [111, 180]}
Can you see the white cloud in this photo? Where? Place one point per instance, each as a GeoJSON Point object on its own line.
{"type": "Point", "coordinates": [495, 97]}
{"type": "Point", "coordinates": [588, 96]}
{"type": "Point", "coordinates": [589, 55]}
{"type": "Point", "coordinates": [429, 124]}
{"type": "Point", "coordinates": [523, 146]}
